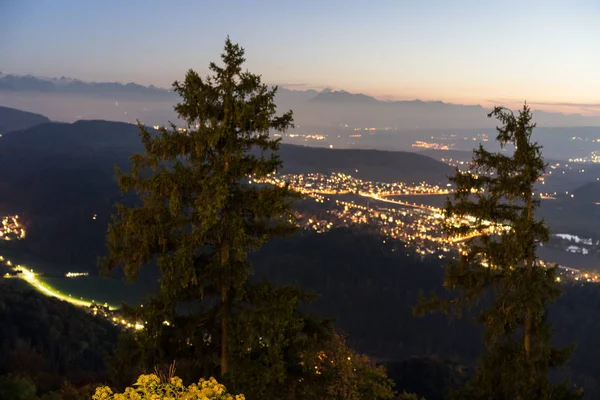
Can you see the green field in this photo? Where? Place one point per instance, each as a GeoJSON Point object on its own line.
{"type": "Point", "coordinates": [99, 290]}
{"type": "Point", "coordinates": [89, 288]}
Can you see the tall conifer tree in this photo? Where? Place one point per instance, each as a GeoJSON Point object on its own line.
{"type": "Point", "coordinates": [495, 200]}
{"type": "Point", "coordinates": [199, 216]}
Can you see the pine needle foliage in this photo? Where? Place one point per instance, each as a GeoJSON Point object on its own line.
{"type": "Point", "coordinates": [498, 271]}
{"type": "Point", "coordinates": [199, 216]}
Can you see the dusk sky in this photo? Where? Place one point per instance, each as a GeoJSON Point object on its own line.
{"type": "Point", "coordinates": [460, 51]}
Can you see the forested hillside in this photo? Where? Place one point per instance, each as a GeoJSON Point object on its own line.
{"type": "Point", "coordinates": [51, 343]}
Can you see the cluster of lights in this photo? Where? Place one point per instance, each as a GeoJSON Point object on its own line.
{"type": "Point", "coordinates": [435, 146]}
{"type": "Point", "coordinates": [76, 274]}
{"type": "Point", "coordinates": [566, 274]}
{"type": "Point", "coordinates": [367, 129]}
{"type": "Point", "coordinates": [455, 163]}
{"type": "Point", "coordinates": [307, 136]}
{"type": "Point", "coordinates": [593, 158]}
{"type": "Point", "coordinates": [11, 228]}
{"type": "Point", "coordinates": [126, 324]}
{"type": "Point", "coordinates": [417, 225]}
{"type": "Point", "coordinates": [437, 143]}
{"type": "Point", "coordinates": [337, 183]}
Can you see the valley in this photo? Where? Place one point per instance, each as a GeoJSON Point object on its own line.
{"type": "Point", "coordinates": [372, 209]}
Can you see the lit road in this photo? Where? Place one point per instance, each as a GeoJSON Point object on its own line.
{"type": "Point", "coordinates": [32, 278]}
{"type": "Point", "coordinates": [441, 193]}
{"type": "Point", "coordinates": [375, 196]}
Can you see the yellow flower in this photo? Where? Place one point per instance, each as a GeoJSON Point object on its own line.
{"type": "Point", "coordinates": [149, 387]}
{"type": "Point", "coordinates": [177, 382]}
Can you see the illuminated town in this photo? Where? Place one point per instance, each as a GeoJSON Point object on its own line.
{"type": "Point", "coordinates": [593, 158]}
{"type": "Point", "coordinates": [385, 208]}
{"type": "Point", "coordinates": [433, 146]}
{"type": "Point", "coordinates": [340, 200]}
{"type": "Point", "coordinates": [11, 228]}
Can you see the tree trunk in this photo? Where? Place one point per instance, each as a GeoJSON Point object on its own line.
{"type": "Point", "coordinates": [225, 309]}
{"type": "Point", "coordinates": [528, 316]}
{"type": "Point", "coordinates": [225, 295]}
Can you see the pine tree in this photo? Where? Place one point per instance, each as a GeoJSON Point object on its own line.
{"type": "Point", "coordinates": [199, 216]}
{"type": "Point", "coordinates": [495, 202]}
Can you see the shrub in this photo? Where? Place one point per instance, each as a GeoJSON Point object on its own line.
{"type": "Point", "coordinates": [150, 387]}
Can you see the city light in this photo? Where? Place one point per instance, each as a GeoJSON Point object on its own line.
{"type": "Point", "coordinates": [11, 228]}
{"type": "Point", "coordinates": [387, 208]}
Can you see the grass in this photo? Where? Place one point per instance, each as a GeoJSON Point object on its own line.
{"type": "Point", "coordinates": [100, 290]}
{"type": "Point", "coordinates": [90, 288]}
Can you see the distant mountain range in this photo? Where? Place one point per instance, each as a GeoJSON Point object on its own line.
{"type": "Point", "coordinates": [30, 83]}
{"type": "Point", "coordinates": [372, 165]}
{"type": "Point", "coordinates": [12, 119]}
{"type": "Point", "coordinates": [67, 99]}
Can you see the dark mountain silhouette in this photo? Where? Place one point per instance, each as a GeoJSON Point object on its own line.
{"type": "Point", "coordinates": [59, 164]}
{"type": "Point", "coordinates": [375, 165]}
{"type": "Point", "coordinates": [26, 83]}
{"type": "Point", "coordinates": [58, 168]}
{"type": "Point", "coordinates": [65, 138]}
{"type": "Point", "coordinates": [12, 119]}
{"type": "Point", "coordinates": [590, 192]}
{"type": "Point", "coordinates": [328, 95]}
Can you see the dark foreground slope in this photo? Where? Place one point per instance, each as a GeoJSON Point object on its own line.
{"type": "Point", "coordinates": [12, 119]}
{"type": "Point", "coordinates": [50, 341]}
{"type": "Point", "coordinates": [371, 286]}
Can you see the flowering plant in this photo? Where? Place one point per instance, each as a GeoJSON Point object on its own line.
{"type": "Point", "coordinates": [150, 387]}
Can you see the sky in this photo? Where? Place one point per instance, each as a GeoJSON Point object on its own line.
{"type": "Point", "coordinates": [468, 52]}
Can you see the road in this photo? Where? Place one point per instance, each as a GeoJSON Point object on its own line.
{"type": "Point", "coordinates": [402, 203]}
{"type": "Point", "coordinates": [33, 279]}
